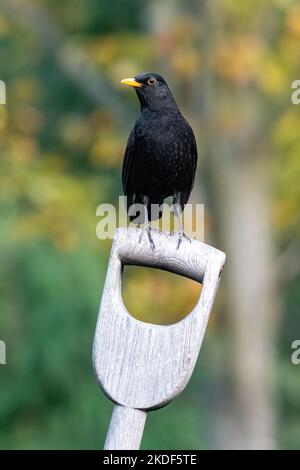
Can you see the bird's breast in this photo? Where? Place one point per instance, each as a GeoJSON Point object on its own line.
{"type": "Point", "coordinates": [163, 162]}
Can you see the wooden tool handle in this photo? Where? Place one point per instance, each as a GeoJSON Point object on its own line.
{"type": "Point", "coordinates": [142, 366]}
{"type": "Point", "coordinates": [125, 429]}
{"type": "Point", "coordinates": [189, 261]}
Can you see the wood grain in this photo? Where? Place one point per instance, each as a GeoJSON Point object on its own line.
{"type": "Point", "coordinates": [125, 429]}
{"type": "Point", "coordinates": [140, 365]}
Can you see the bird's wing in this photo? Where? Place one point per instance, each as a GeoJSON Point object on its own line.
{"type": "Point", "coordinates": [127, 163]}
{"type": "Point", "coordinates": [194, 158]}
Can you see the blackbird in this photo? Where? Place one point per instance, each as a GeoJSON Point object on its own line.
{"type": "Point", "coordinates": [161, 154]}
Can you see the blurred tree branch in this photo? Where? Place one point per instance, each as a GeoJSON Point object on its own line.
{"type": "Point", "coordinates": [287, 262]}
{"type": "Point", "coordinates": [237, 171]}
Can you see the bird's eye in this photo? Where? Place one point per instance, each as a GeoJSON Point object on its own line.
{"type": "Point", "coordinates": [151, 81]}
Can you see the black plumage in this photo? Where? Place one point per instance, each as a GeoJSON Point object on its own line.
{"type": "Point", "coordinates": [161, 155]}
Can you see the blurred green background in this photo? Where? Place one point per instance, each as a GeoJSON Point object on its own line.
{"type": "Point", "coordinates": [62, 136]}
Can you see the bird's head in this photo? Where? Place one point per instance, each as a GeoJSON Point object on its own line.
{"type": "Point", "coordinates": [152, 91]}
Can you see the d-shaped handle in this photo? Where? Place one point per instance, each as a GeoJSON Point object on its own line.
{"type": "Point", "coordinates": [141, 366]}
{"type": "Point", "coordinates": [189, 260]}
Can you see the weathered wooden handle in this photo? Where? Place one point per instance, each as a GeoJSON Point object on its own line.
{"type": "Point", "coordinates": [125, 429]}
{"type": "Point", "coordinates": [141, 366]}
{"type": "Point", "coordinates": [166, 256]}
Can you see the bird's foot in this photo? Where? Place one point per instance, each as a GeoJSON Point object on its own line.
{"type": "Point", "coordinates": [181, 236]}
{"type": "Point", "coordinates": [147, 229]}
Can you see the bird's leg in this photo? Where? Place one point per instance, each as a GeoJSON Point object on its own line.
{"type": "Point", "coordinates": [178, 213]}
{"type": "Point", "coordinates": [146, 227]}
{"type": "Point", "coordinates": [133, 202]}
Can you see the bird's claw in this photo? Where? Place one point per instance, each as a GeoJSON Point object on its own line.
{"type": "Point", "coordinates": [181, 236]}
{"type": "Point", "coordinates": [147, 229]}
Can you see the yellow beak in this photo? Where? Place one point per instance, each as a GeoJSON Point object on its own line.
{"type": "Point", "coordinates": [131, 82]}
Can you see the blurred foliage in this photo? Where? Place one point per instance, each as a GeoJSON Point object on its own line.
{"type": "Point", "coordinates": [60, 158]}
{"type": "Point", "coordinates": [149, 296]}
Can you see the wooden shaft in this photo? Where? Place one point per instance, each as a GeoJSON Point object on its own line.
{"type": "Point", "coordinates": [125, 429]}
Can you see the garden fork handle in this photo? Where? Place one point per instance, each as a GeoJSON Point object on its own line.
{"type": "Point", "coordinates": [125, 429]}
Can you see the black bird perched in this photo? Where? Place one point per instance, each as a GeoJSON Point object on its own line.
{"type": "Point", "coordinates": [161, 155]}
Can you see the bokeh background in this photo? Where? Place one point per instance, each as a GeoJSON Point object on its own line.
{"type": "Point", "coordinates": [62, 136]}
